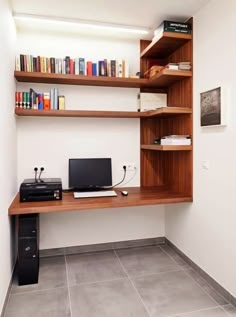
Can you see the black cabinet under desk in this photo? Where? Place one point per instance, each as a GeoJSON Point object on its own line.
{"type": "Point", "coordinates": [27, 230]}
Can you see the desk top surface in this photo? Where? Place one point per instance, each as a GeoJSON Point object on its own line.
{"type": "Point", "coordinates": [137, 197]}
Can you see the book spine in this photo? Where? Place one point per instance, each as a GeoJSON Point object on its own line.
{"type": "Point", "coordinates": [67, 59]}
{"type": "Point", "coordinates": [61, 102]}
{"type": "Point", "coordinates": [52, 98]}
{"type": "Point", "coordinates": [46, 101]}
{"type": "Point", "coordinates": [76, 66]}
{"type": "Point", "coordinates": [40, 101]}
{"type": "Point", "coordinates": [20, 96]}
{"type": "Point", "coordinates": [113, 68]}
{"type": "Point", "coordinates": [52, 64]}
{"type": "Point", "coordinates": [27, 100]}
{"type": "Point", "coordinates": [17, 99]}
{"type": "Point", "coordinates": [72, 66]}
{"type": "Point", "coordinates": [55, 105]}
{"type": "Point", "coordinates": [22, 63]}
{"type": "Point", "coordinates": [94, 69]}
{"type": "Point", "coordinates": [89, 68]}
{"type": "Point", "coordinates": [34, 64]}
{"type": "Point", "coordinates": [81, 66]}
{"type": "Point", "coordinates": [101, 68]}
{"type": "Point", "coordinates": [17, 63]}
{"type": "Point", "coordinates": [24, 99]}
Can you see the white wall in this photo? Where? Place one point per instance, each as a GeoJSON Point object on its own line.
{"type": "Point", "coordinates": [205, 231]}
{"type": "Point", "coordinates": [7, 144]}
{"type": "Point", "coordinates": [49, 142]}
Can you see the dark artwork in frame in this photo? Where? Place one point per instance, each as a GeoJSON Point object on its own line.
{"type": "Point", "coordinates": [211, 107]}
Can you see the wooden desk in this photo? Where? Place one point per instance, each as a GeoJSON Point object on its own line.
{"type": "Point", "coordinates": [27, 224]}
{"type": "Point", "coordinates": [137, 197]}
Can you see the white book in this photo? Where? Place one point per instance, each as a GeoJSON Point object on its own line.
{"type": "Point", "coordinates": [152, 101]}
{"type": "Point", "coordinates": [175, 142]}
{"type": "Point", "coordinates": [17, 65]}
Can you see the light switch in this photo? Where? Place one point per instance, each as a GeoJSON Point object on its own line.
{"type": "Point", "coordinates": [206, 164]}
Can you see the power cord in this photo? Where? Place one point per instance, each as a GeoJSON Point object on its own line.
{"type": "Point", "coordinates": [124, 168]}
{"type": "Point", "coordinates": [35, 174]}
{"type": "Point", "coordinates": [41, 170]}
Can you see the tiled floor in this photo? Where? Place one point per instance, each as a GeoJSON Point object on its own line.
{"type": "Point", "coordinates": [137, 282]}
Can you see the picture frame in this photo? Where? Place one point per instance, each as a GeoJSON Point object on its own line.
{"type": "Point", "coordinates": [213, 107]}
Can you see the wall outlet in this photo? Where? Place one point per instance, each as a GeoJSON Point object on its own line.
{"type": "Point", "coordinates": [129, 167]}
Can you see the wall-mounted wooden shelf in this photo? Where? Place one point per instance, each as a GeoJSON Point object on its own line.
{"type": "Point", "coordinates": [165, 78]}
{"type": "Point", "coordinates": [167, 111]}
{"type": "Point", "coordinates": [137, 197]}
{"type": "Point", "coordinates": [156, 147]}
{"type": "Point", "coordinates": [68, 79]}
{"type": "Point", "coordinates": [166, 44]}
{"type": "Point", "coordinates": [77, 113]}
{"type": "Point", "coordinates": [162, 112]}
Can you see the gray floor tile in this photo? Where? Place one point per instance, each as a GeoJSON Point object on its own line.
{"type": "Point", "coordinates": [93, 267]}
{"type": "Point", "coordinates": [106, 299]}
{"type": "Point", "coordinates": [52, 274]}
{"type": "Point", "coordinates": [210, 291]}
{"type": "Point", "coordinates": [214, 312]}
{"type": "Point", "coordinates": [172, 293]}
{"type": "Point", "coordinates": [53, 303]}
{"type": "Point", "coordinates": [146, 260]}
{"type": "Point", "coordinates": [175, 257]}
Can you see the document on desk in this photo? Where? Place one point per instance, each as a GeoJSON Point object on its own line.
{"type": "Point", "coordinates": [102, 193]}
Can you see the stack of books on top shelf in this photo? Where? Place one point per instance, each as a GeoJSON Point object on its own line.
{"type": "Point", "coordinates": [172, 26]}
{"type": "Point", "coordinates": [40, 101]}
{"type": "Point", "coordinates": [73, 66]}
{"type": "Point", "coordinates": [174, 140]}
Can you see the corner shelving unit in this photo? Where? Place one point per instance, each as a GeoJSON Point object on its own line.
{"type": "Point", "coordinates": [166, 171]}
{"type": "Point", "coordinates": [169, 166]}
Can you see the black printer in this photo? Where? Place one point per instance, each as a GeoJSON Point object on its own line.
{"type": "Point", "coordinates": [41, 190]}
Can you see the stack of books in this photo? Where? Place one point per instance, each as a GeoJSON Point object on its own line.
{"type": "Point", "coordinates": [184, 66]}
{"type": "Point", "coordinates": [179, 66]}
{"type": "Point", "coordinates": [172, 26]}
{"type": "Point", "coordinates": [174, 140]}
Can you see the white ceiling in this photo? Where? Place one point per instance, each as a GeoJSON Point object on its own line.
{"type": "Point", "coordinates": [148, 13]}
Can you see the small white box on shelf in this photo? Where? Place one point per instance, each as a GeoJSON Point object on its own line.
{"type": "Point", "coordinates": [151, 101]}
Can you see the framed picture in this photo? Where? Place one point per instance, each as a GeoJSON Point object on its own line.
{"type": "Point", "coordinates": [212, 107]}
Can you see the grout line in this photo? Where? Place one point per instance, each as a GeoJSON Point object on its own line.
{"type": "Point", "coordinates": [68, 288]}
{"type": "Point", "coordinates": [39, 290]}
{"type": "Point", "coordinates": [186, 272]}
{"type": "Point", "coordinates": [135, 289]}
{"type": "Point", "coordinates": [225, 311]}
{"type": "Point", "coordinates": [194, 311]}
{"type": "Point", "coordinates": [101, 281]}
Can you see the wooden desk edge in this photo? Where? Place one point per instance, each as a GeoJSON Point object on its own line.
{"type": "Point", "coordinates": [136, 197]}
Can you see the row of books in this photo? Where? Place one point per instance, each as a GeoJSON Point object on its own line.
{"type": "Point", "coordinates": [73, 66]}
{"type": "Point", "coordinates": [174, 140]}
{"type": "Point", "coordinates": [40, 101]}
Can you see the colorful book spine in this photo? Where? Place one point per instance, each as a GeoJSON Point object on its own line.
{"type": "Point", "coordinates": [89, 68]}
{"type": "Point", "coordinates": [40, 101]}
{"type": "Point", "coordinates": [94, 69]}
{"type": "Point", "coordinates": [46, 101]}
